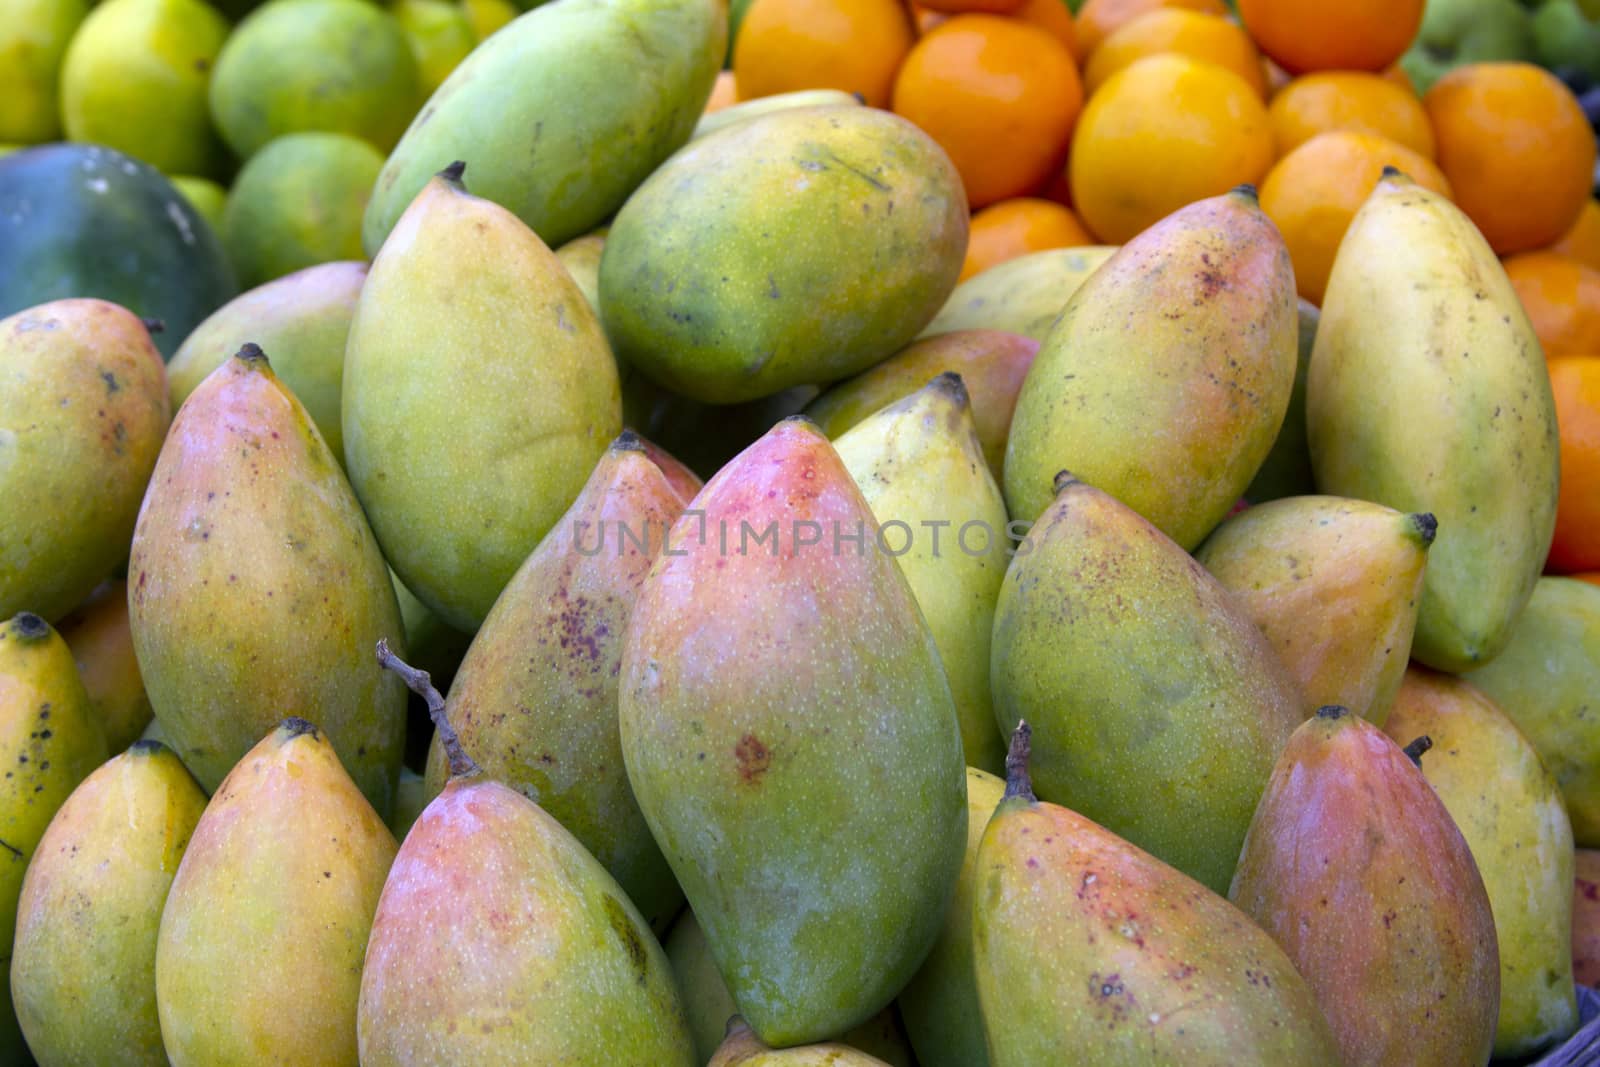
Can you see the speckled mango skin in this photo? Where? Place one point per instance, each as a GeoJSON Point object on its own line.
{"type": "Point", "coordinates": [1090, 951]}
{"type": "Point", "coordinates": [1548, 681]}
{"type": "Point", "coordinates": [742, 1048]}
{"type": "Point", "coordinates": [49, 742]}
{"type": "Point", "coordinates": [1023, 295]}
{"type": "Point", "coordinates": [83, 410]}
{"type": "Point", "coordinates": [1509, 809]}
{"type": "Point", "coordinates": [1158, 707]}
{"type": "Point", "coordinates": [1356, 869]}
{"type": "Point", "coordinates": [1334, 584]}
{"type": "Point", "coordinates": [562, 113]}
{"type": "Point", "coordinates": [793, 744]}
{"type": "Point", "coordinates": [301, 321]}
{"type": "Point", "coordinates": [255, 587]}
{"type": "Point", "coordinates": [1166, 378]}
{"type": "Point", "coordinates": [84, 965]}
{"type": "Point", "coordinates": [265, 927]}
{"type": "Point", "coordinates": [795, 248]}
{"type": "Point", "coordinates": [499, 939]}
{"type": "Point", "coordinates": [478, 394]}
{"type": "Point", "coordinates": [535, 698]}
{"type": "Point", "coordinates": [1428, 391]}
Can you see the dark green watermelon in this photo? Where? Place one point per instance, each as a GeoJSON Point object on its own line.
{"type": "Point", "coordinates": [84, 220]}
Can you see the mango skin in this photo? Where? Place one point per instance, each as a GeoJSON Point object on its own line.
{"type": "Point", "coordinates": [1509, 809]}
{"type": "Point", "coordinates": [287, 845]}
{"type": "Point", "coordinates": [536, 695]}
{"type": "Point", "coordinates": [49, 742]}
{"type": "Point", "coordinates": [1166, 379]}
{"type": "Point", "coordinates": [793, 744]}
{"type": "Point", "coordinates": [562, 113]}
{"type": "Point", "coordinates": [478, 394]}
{"type": "Point", "coordinates": [1334, 585]}
{"type": "Point", "coordinates": [1547, 679]}
{"type": "Point", "coordinates": [33, 40]}
{"type": "Point", "coordinates": [84, 965]}
{"type": "Point", "coordinates": [742, 1048]}
{"type": "Point", "coordinates": [713, 121]}
{"type": "Point", "coordinates": [1023, 295]}
{"type": "Point", "coordinates": [500, 940]}
{"type": "Point", "coordinates": [796, 248]}
{"type": "Point", "coordinates": [581, 257]}
{"type": "Point", "coordinates": [83, 411]}
{"type": "Point", "coordinates": [1287, 469]}
{"type": "Point", "coordinates": [1088, 950]}
{"type": "Point", "coordinates": [1357, 870]}
{"type": "Point", "coordinates": [1158, 707]}
{"type": "Point", "coordinates": [301, 321]}
{"type": "Point", "coordinates": [255, 586]}
{"type": "Point", "coordinates": [1428, 391]}
{"type": "Point", "coordinates": [101, 639]}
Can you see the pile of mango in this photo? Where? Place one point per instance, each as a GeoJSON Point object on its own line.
{"type": "Point", "coordinates": [650, 613]}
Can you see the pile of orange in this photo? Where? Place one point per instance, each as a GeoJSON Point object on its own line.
{"type": "Point", "coordinates": [1071, 130]}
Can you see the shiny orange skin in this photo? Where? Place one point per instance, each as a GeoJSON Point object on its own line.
{"type": "Point", "coordinates": [1016, 227]}
{"type": "Point", "coordinates": [1348, 100]}
{"type": "Point", "coordinates": [1098, 19]}
{"type": "Point", "coordinates": [853, 45]}
{"type": "Point", "coordinates": [1191, 33]}
{"type": "Point", "coordinates": [1562, 299]}
{"type": "Point", "coordinates": [1575, 381]}
{"type": "Point", "coordinates": [1307, 35]}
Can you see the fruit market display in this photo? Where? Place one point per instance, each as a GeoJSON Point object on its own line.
{"type": "Point", "coordinates": [782, 532]}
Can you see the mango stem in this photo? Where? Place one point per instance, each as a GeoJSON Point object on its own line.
{"type": "Point", "coordinates": [419, 683]}
{"type": "Point", "coordinates": [1018, 784]}
{"type": "Point", "coordinates": [1416, 748]}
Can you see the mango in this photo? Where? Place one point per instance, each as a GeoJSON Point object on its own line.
{"type": "Point", "coordinates": [581, 257]}
{"type": "Point", "coordinates": [1287, 469]}
{"type": "Point", "coordinates": [441, 36]}
{"type": "Point", "coordinates": [1023, 295]}
{"type": "Point", "coordinates": [561, 114]}
{"type": "Point", "coordinates": [712, 121]}
{"type": "Point", "coordinates": [101, 639]}
{"type": "Point", "coordinates": [742, 1048]}
{"type": "Point", "coordinates": [797, 248]}
{"type": "Point", "coordinates": [33, 40]}
{"type": "Point", "coordinates": [83, 412]}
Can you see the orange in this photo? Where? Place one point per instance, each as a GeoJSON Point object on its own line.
{"type": "Point", "coordinates": [1016, 227]}
{"type": "Point", "coordinates": [1575, 381]}
{"type": "Point", "coordinates": [723, 92]}
{"type": "Point", "coordinates": [1517, 149]}
{"type": "Point", "coordinates": [1164, 132]}
{"type": "Point", "coordinates": [1053, 15]}
{"type": "Point", "coordinates": [1394, 72]}
{"type": "Point", "coordinates": [1562, 299]}
{"type": "Point", "coordinates": [1306, 35]}
{"type": "Point", "coordinates": [1098, 19]}
{"type": "Point", "coordinates": [1000, 95]}
{"type": "Point", "coordinates": [854, 45]}
{"type": "Point", "coordinates": [1313, 192]}
{"type": "Point", "coordinates": [1207, 37]}
{"type": "Point", "coordinates": [1582, 242]}
{"type": "Point", "coordinates": [1348, 100]}
{"type": "Point", "coordinates": [960, 7]}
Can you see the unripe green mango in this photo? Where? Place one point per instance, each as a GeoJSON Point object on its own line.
{"type": "Point", "coordinates": [581, 257]}
{"type": "Point", "coordinates": [1287, 469]}
{"type": "Point", "coordinates": [1158, 706]}
{"type": "Point", "coordinates": [1428, 392]}
{"type": "Point", "coordinates": [1166, 379]}
{"type": "Point", "coordinates": [1023, 295]}
{"type": "Point", "coordinates": [478, 394]}
{"type": "Point", "coordinates": [84, 965]}
{"type": "Point", "coordinates": [49, 742]}
{"type": "Point", "coordinates": [302, 320]}
{"type": "Point", "coordinates": [1509, 809]}
{"type": "Point", "coordinates": [83, 411]}
{"type": "Point", "coordinates": [562, 113]}
{"type": "Point", "coordinates": [1547, 680]}
{"type": "Point", "coordinates": [796, 248]}
{"type": "Point", "coordinates": [256, 586]}
{"type": "Point", "coordinates": [713, 121]}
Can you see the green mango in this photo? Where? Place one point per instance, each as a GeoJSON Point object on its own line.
{"type": "Point", "coordinates": [742, 1048]}
{"type": "Point", "coordinates": [255, 585]}
{"type": "Point", "coordinates": [83, 411]}
{"type": "Point", "coordinates": [1159, 705]}
{"type": "Point", "coordinates": [1023, 295]}
{"type": "Point", "coordinates": [1548, 681]}
{"type": "Point", "coordinates": [1357, 870]}
{"type": "Point", "coordinates": [800, 247]}
{"type": "Point", "coordinates": [441, 36]}
{"type": "Point", "coordinates": [338, 66]}
{"type": "Point", "coordinates": [562, 113]}
{"type": "Point", "coordinates": [1090, 951]}
{"type": "Point", "coordinates": [713, 121]}
{"type": "Point", "coordinates": [581, 257]}
{"type": "Point", "coordinates": [550, 648]}
{"type": "Point", "coordinates": [302, 320]}
{"type": "Point", "coordinates": [705, 436]}
{"type": "Point", "coordinates": [1509, 809]}
{"type": "Point", "coordinates": [1287, 469]}
{"type": "Point", "coordinates": [49, 742]}
{"type": "Point", "coordinates": [792, 741]}
{"type": "Point", "coordinates": [1334, 585]}
{"type": "Point", "coordinates": [432, 644]}
{"type": "Point", "coordinates": [410, 797]}
{"type": "Point", "coordinates": [1166, 379]}
{"type": "Point", "coordinates": [920, 467]}
{"type": "Point", "coordinates": [1428, 391]}
{"type": "Point", "coordinates": [33, 40]}
{"type": "Point", "coordinates": [84, 964]}
{"type": "Point", "coordinates": [478, 394]}
{"type": "Point", "coordinates": [265, 927]}
{"type": "Point", "coordinates": [992, 365]}
{"type": "Point", "coordinates": [208, 199]}
{"type": "Point", "coordinates": [940, 1004]}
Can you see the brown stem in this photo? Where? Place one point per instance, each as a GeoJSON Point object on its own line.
{"type": "Point", "coordinates": [29, 627]}
{"type": "Point", "coordinates": [1416, 748]}
{"type": "Point", "coordinates": [419, 683]}
{"type": "Point", "coordinates": [1018, 784]}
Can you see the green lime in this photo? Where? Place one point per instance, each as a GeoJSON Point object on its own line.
{"type": "Point", "coordinates": [33, 40]}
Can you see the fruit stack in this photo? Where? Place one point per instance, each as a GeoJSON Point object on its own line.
{"type": "Point", "coordinates": [953, 533]}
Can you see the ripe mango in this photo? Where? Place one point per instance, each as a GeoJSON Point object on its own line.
{"type": "Point", "coordinates": [1024, 295]}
